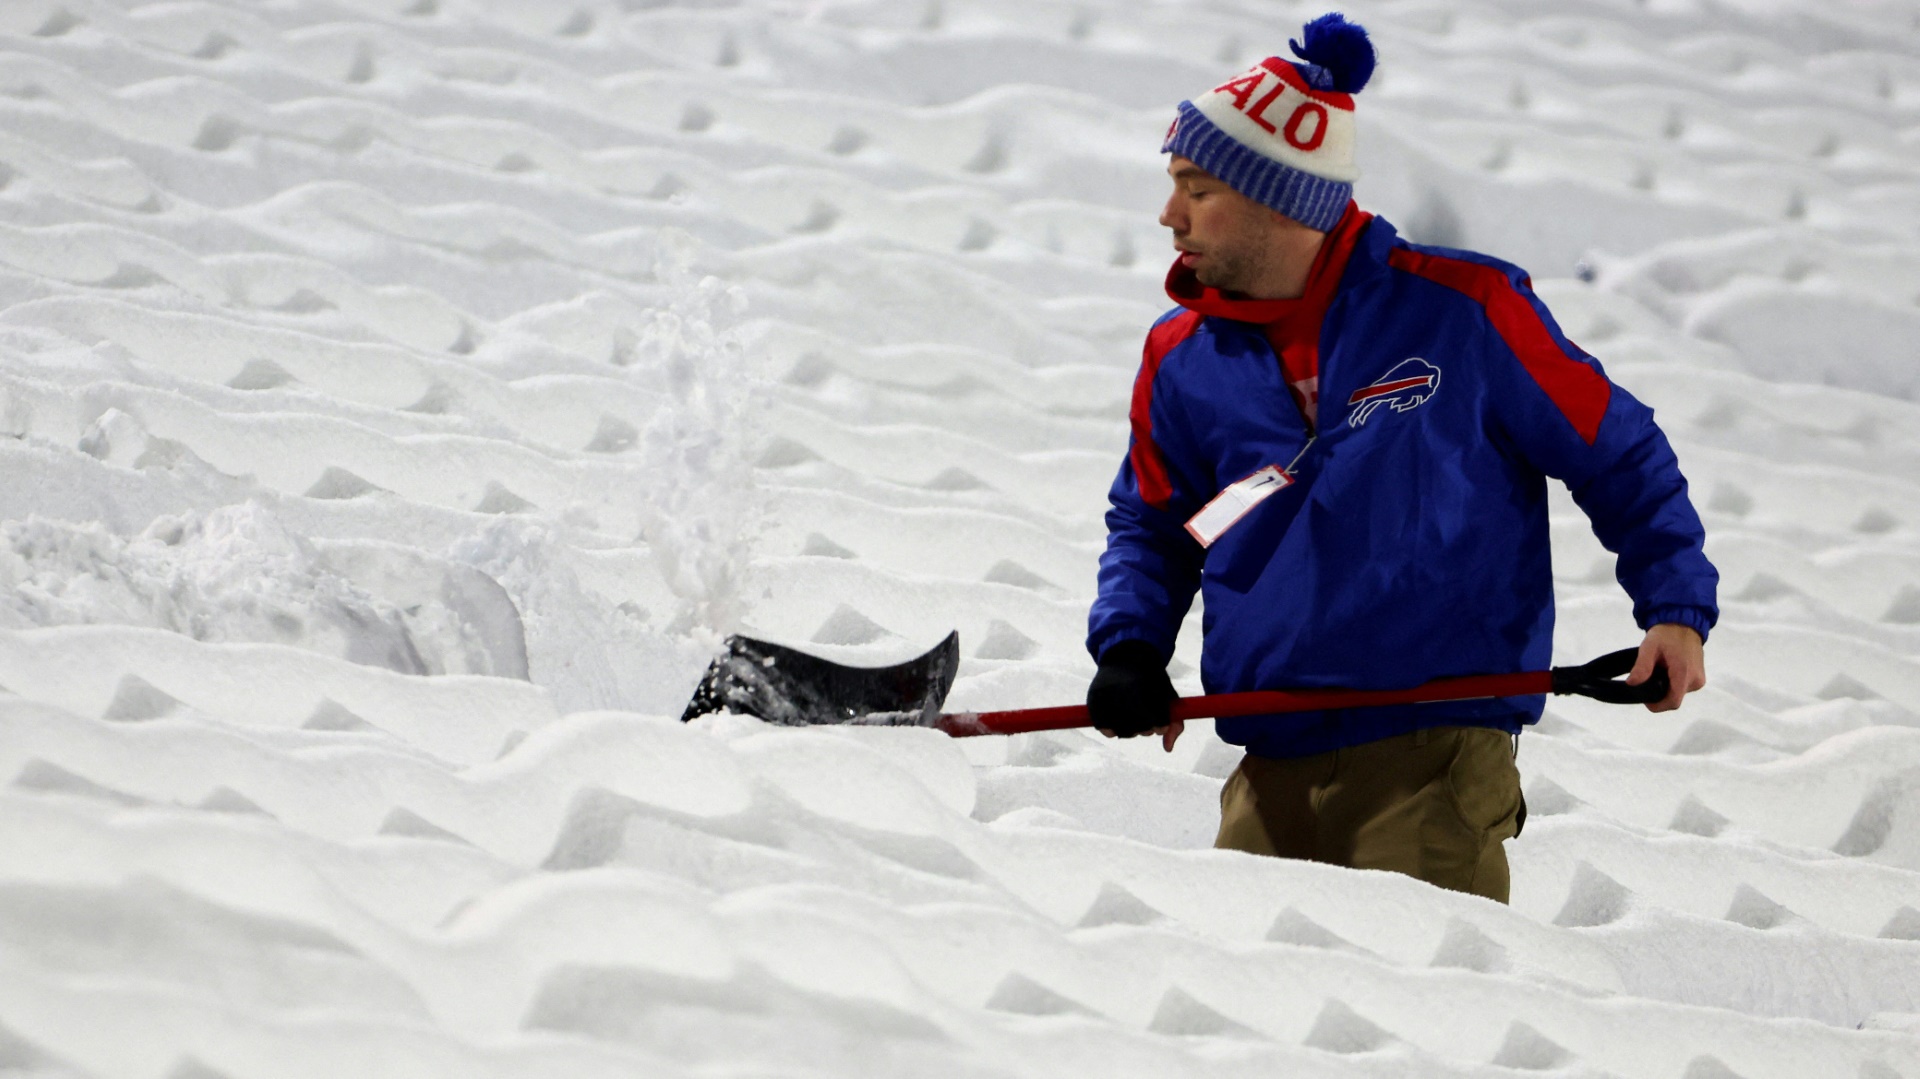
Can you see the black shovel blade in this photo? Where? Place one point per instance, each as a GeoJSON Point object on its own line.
{"type": "Point", "coordinates": [794, 689]}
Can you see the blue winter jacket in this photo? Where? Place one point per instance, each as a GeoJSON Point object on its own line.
{"type": "Point", "coordinates": [1413, 542]}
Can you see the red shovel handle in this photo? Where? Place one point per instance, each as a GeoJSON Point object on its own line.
{"type": "Point", "coordinates": [1262, 702]}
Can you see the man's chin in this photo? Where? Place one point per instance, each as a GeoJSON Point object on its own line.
{"type": "Point", "coordinates": [1213, 278]}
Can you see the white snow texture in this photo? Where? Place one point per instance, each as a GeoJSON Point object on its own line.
{"type": "Point", "coordinates": [401, 399]}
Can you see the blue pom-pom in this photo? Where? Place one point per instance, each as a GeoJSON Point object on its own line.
{"type": "Point", "coordinates": [1339, 47]}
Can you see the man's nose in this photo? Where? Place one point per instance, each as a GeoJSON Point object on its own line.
{"type": "Point", "coordinates": [1173, 215]}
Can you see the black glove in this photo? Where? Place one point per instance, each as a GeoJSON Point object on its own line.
{"type": "Point", "coordinates": [1132, 693]}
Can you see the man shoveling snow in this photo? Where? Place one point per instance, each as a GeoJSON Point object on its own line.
{"type": "Point", "coordinates": [1342, 440]}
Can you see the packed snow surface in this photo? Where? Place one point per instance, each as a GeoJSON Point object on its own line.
{"type": "Point", "coordinates": [401, 400]}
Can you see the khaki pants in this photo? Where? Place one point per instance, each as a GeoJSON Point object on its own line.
{"type": "Point", "coordinates": [1435, 804]}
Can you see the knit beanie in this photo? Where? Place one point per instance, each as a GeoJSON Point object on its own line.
{"type": "Point", "coordinates": [1282, 134]}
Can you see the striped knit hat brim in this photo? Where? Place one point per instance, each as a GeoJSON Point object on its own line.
{"type": "Point", "coordinates": [1315, 201]}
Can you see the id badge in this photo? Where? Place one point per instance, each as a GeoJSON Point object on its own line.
{"type": "Point", "coordinates": [1236, 502]}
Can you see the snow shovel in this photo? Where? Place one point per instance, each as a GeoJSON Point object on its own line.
{"type": "Point", "coordinates": [788, 687]}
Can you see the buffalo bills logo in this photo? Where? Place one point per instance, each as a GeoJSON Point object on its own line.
{"type": "Point", "coordinates": [1408, 385]}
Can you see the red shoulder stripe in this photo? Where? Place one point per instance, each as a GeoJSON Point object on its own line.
{"type": "Point", "coordinates": [1149, 468]}
{"type": "Point", "coordinates": [1580, 392]}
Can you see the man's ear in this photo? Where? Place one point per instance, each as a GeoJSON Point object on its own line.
{"type": "Point", "coordinates": [1284, 223]}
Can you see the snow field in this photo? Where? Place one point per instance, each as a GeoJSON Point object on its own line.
{"type": "Point", "coordinates": [403, 397]}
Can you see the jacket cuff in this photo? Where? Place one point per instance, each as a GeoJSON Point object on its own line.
{"type": "Point", "coordinates": [1136, 654]}
{"type": "Point", "coordinates": [1100, 651]}
{"type": "Point", "coordinates": [1698, 619]}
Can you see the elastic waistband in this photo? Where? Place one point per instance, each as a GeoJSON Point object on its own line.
{"type": "Point", "coordinates": [1284, 736]}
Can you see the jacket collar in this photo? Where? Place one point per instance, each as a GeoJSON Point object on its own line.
{"type": "Point", "coordinates": [1323, 281]}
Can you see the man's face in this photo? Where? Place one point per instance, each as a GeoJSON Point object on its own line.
{"type": "Point", "coordinates": [1230, 242]}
